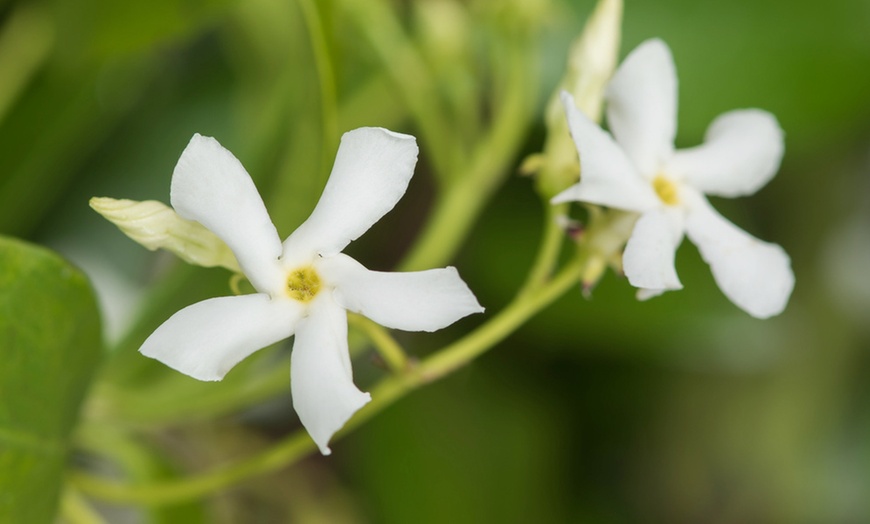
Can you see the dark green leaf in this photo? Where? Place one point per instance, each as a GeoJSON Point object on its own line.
{"type": "Point", "coordinates": [50, 345]}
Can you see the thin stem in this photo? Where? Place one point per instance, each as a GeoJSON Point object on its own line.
{"type": "Point", "coordinates": [76, 510]}
{"type": "Point", "coordinates": [457, 210]}
{"type": "Point", "coordinates": [386, 346]}
{"type": "Point", "coordinates": [548, 252]}
{"type": "Point", "coordinates": [325, 75]}
{"type": "Point", "coordinates": [384, 394]}
{"type": "Point", "coordinates": [413, 77]}
{"type": "Point", "coordinates": [503, 324]}
{"type": "Point", "coordinates": [284, 453]}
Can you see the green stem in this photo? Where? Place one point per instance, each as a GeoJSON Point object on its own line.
{"type": "Point", "coordinates": [448, 225]}
{"type": "Point", "coordinates": [500, 326]}
{"type": "Point", "coordinates": [326, 77]}
{"type": "Point", "coordinates": [548, 252]}
{"type": "Point", "coordinates": [286, 452]}
{"type": "Point", "coordinates": [384, 394]}
{"type": "Point", "coordinates": [386, 346]}
{"type": "Point", "coordinates": [413, 77]}
{"type": "Point", "coordinates": [75, 510]}
{"type": "Point", "coordinates": [457, 209]}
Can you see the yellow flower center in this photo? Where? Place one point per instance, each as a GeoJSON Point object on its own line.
{"type": "Point", "coordinates": [666, 190]}
{"type": "Point", "coordinates": [303, 283]}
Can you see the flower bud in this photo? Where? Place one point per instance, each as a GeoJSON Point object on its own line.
{"type": "Point", "coordinates": [591, 62]}
{"type": "Point", "coordinates": [156, 225]}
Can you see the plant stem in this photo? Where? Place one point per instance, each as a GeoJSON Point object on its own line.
{"type": "Point", "coordinates": [471, 188]}
{"type": "Point", "coordinates": [390, 389]}
{"type": "Point", "coordinates": [386, 346]}
{"type": "Point", "coordinates": [548, 252]}
{"type": "Point", "coordinates": [284, 453]}
{"type": "Point", "coordinates": [521, 309]}
{"type": "Point", "coordinates": [413, 77]}
{"type": "Point", "coordinates": [75, 510]}
{"type": "Point", "coordinates": [326, 78]}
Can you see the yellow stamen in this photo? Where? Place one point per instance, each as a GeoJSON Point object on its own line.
{"type": "Point", "coordinates": [667, 191]}
{"type": "Point", "coordinates": [303, 283]}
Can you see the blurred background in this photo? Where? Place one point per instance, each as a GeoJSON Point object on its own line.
{"type": "Point", "coordinates": [600, 410]}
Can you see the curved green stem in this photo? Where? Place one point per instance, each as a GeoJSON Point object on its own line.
{"type": "Point", "coordinates": [386, 346]}
{"type": "Point", "coordinates": [384, 394]}
{"type": "Point", "coordinates": [326, 77]}
{"type": "Point", "coordinates": [471, 189]}
{"type": "Point", "coordinates": [500, 326]}
{"type": "Point", "coordinates": [410, 73]}
{"type": "Point", "coordinates": [76, 510]}
{"type": "Point", "coordinates": [548, 252]}
{"type": "Point", "coordinates": [286, 452]}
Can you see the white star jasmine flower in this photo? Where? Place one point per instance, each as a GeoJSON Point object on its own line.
{"type": "Point", "coordinates": [305, 285]}
{"type": "Point", "coordinates": [637, 169]}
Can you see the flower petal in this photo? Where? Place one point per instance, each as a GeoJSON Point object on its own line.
{"type": "Point", "coordinates": [205, 340]}
{"type": "Point", "coordinates": [648, 260]}
{"type": "Point", "coordinates": [644, 294]}
{"type": "Point", "coordinates": [740, 154]}
{"type": "Point", "coordinates": [607, 176]}
{"type": "Point", "coordinates": [755, 275]}
{"type": "Point", "coordinates": [321, 379]}
{"type": "Point", "coordinates": [413, 301]}
{"type": "Point", "coordinates": [642, 105]}
{"type": "Point", "coordinates": [210, 185]}
{"type": "Point", "coordinates": [371, 173]}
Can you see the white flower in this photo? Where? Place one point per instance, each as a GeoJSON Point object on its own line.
{"type": "Point", "coordinates": [640, 171]}
{"type": "Point", "coordinates": [305, 285]}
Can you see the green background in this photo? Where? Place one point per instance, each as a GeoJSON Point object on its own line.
{"type": "Point", "coordinates": [680, 409]}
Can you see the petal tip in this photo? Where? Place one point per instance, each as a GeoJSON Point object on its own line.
{"type": "Point", "coordinates": [653, 48]}
{"type": "Point", "coordinates": [197, 372]}
{"type": "Point", "coordinates": [568, 195]}
{"type": "Point", "coordinates": [397, 135]}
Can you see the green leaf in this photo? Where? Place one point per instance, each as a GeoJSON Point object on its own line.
{"type": "Point", "coordinates": [50, 344]}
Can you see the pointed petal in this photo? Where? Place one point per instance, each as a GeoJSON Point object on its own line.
{"type": "Point", "coordinates": [642, 105]}
{"type": "Point", "coordinates": [210, 186]}
{"type": "Point", "coordinates": [648, 260]}
{"type": "Point", "coordinates": [740, 154]}
{"type": "Point", "coordinates": [321, 379]}
{"type": "Point", "coordinates": [755, 275]}
{"type": "Point", "coordinates": [607, 176]}
{"type": "Point", "coordinates": [371, 173]}
{"type": "Point", "coordinates": [205, 340]}
{"type": "Point", "coordinates": [413, 301]}
{"type": "Point", "coordinates": [644, 294]}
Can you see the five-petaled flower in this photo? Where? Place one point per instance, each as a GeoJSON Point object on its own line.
{"type": "Point", "coordinates": [305, 285]}
{"type": "Point", "coordinates": [637, 169]}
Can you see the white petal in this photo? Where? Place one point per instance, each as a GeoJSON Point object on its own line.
{"type": "Point", "coordinates": [371, 173]}
{"type": "Point", "coordinates": [205, 340]}
{"type": "Point", "coordinates": [321, 379]}
{"type": "Point", "coordinates": [740, 154]}
{"type": "Point", "coordinates": [755, 275]}
{"type": "Point", "coordinates": [607, 176]}
{"type": "Point", "coordinates": [413, 301]}
{"type": "Point", "coordinates": [648, 260]}
{"type": "Point", "coordinates": [210, 185]}
{"type": "Point", "coordinates": [642, 105]}
{"type": "Point", "coordinates": [644, 294]}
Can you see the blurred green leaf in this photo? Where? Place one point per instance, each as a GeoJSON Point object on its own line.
{"type": "Point", "coordinates": [101, 29]}
{"type": "Point", "coordinates": [50, 344]}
